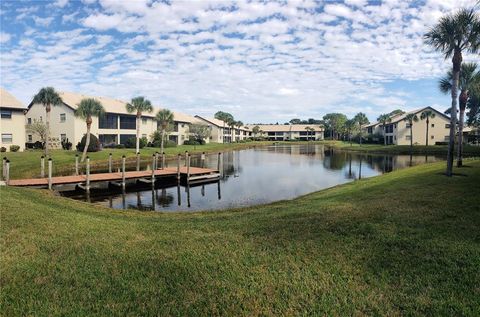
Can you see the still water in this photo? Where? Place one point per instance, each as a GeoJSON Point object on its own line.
{"type": "Point", "coordinates": [254, 176]}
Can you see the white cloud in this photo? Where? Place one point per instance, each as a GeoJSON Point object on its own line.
{"type": "Point", "coordinates": [61, 3]}
{"type": "Point", "coordinates": [42, 21]}
{"type": "Point", "coordinates": [4, 37]}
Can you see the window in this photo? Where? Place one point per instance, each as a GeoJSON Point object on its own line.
{"type": "Point", "coordinates": [144, 120]}
{"type": "Point", "coordinates": [7, 138]}
{"type": "Point", "coordinates": [108, 121]}
{"type": "Point", "coordinates": [432, 137]}
{"type": "Point", "coordinates": [128, 122]}
{"type": "Point", "coordinates": [6, 114]}
{"type": "Point", "coordinates": [125, 137]}
{"type": "Point", "coordinates": [30, 138]}
{"type": "Point", "coordinates": [63, 137]}
{"type": "Point", "coordinates": [107, 139]}
{"type": "Point", "coordinates": [447, 126]}
{"type": "Point", "coordinates": [408, 137]}
{"type": "Point", "coordinates": [433, 125]}
{"type": "Point", "coordinates": [63, 117]}
{"type": "Point", "coordinates": [370, 130]}
{"type": "Point", "coordinates": [446, 138]}
{"type": "Point", "coordinates": [29, 120]}
{"type": "Point", "coordinates": [408, 125]}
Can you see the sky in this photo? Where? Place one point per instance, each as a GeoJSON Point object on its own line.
{"type": "Point", "coordinates": [264, 62]}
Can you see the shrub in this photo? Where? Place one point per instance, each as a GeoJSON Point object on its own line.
{"type": "Point", "coordinates": [441, 143]}
{"type": "Point", "coordinates": [119, 146]}
{"type": "Point", "coordinates": [66, 145]}
{"type": "Point", "coordinates": [14, 148]}
{"type": "Point", "coordinates": [166, 143]}
{"type": "Point", "coordinates": [94, 145]}
{"type": "Point", "coordinates": [38, 145]}
{"type": "Point", "coordinates": [191, 142]}
{"type": "Point", "coordinates": [131, 143]}
{"type": "Point", "coordinates": [3, 149]}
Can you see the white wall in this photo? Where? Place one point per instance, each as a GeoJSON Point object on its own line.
{"type": "Point", "coordinates": [16, 127]}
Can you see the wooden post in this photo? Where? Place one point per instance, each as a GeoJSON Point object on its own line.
{"type": "Point", "coordinates": [110, 162]}
{"type": "Point", "coordinates": [188, 169]}
{"type": "Point", "coordinates": [87, 174]}
{"type": "Point", "coordinates": [218, 162]}
{"type": "Point", "coordinates": [42, 166]}
{"type": "Point", "coordinates": [7, 171]}
{"type": "Point", "coordinates": [50, 173]}
{"type": "Point", "coordinates": [163, 160]}
{"type": "Point", "coordinates": [123, 172]}
{"type": "Point", "coordinates": [156, 160]}
{"type": "Point", "coordinates": [4, 167]}
{"type": "Point", "coordinates": [153, 169]}
{"type": "Point", "coordinates": [138, 161]}
{"type": "Point", "coordinates": [186, 155]}
{"type": "Point", "coordinates": [202, 158]}
{"type": "Point", "coordinates": [76, 164]}
{"type": "Point", "coordinates": [179, 157]}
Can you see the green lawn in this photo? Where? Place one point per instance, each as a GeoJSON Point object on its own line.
{"type": "Point", "coordinates": [405, 243]}
{"type": "Point", "coordinates": [468, 150]}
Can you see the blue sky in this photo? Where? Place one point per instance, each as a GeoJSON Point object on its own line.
{"type": "Point", "coordinates": [261, 61]}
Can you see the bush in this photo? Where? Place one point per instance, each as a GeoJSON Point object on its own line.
{"type": "Point", "coordinates": [167, 143]}
{"type": "Point", "coordinates": [441, 143]}
{"type": "Point", "coordinates": [191, 142]}
{"type": "Point", "coordinates": [3, 149]}
{"type": "Point", "coordinates": [119, 146]}
{"type": "Point", "coordinates": [38, 145]}
{"type": "Point", "coordinates": [14, 148]}
{"type": "Point", "coordinates": [131, 143]}
{"type": "Point", "coordinates": [66, 145]}
{"type": "Point", "coordinates": [94, 145]}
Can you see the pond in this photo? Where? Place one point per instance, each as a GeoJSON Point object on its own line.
{"type": "Point", "coordinates": [254, 176]}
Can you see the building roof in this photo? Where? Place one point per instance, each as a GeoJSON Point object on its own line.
{"type": "Point", "coordinates": [219, 123]}
{"type": "Point", "coordinates": [7, 100]}
{"type": "Point", "coordinates": [112, 105]}
{"type": "Point", "coordinates": [401, 117]}
{"type": "Point", "coordinates": [286, 127]}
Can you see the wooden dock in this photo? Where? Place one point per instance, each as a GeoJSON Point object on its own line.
{"type": "Point", "coordinates": [194, 173]}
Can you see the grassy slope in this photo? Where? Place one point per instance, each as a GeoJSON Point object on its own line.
{"type": "Point", "coordinates": [469, 150]}
{"type": "Point", "coordinates": [389, 245]}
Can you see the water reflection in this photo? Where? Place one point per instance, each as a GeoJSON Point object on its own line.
{"type": "Point", "coordinates": [254, 176]}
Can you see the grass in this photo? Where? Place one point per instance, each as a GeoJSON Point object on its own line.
{"type": "Point", "coordinates": [405, 243]}
{"type": "Point", "coordinates": [469, 150]}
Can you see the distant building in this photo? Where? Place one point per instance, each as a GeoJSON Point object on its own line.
{"type": "Point", "coordinates": [398, 130]}
{"type": "Point", "coordinates": [222, 133]}
{"type": "Point", "coordinates": [12, 121]}
{"type": "Point", "coordinates": [281, 132]}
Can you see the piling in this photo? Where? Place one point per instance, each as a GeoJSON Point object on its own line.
{"type": "Point", "coordinates": [156, 160]}
{"type": "Point", "coordinates": [153, 169]}
{"type": "Point", "coordinates": [179, 157]}
{"type": "Point", "coordinates": [186, 155]}
{"type": "Point", "coordinates": [188, 168]}
{"type": "Point", "coordinates": [138, 161]}
{"type": "Point", "coordinates": [76, 164]}
{"type": "Point", "coordinates": [42, 166]}
{"type": "Point", "coordinates": [110, 162]}
{"type": "Point", "coordinates": [163, 160]}
{"type": "Point", "coordinates": [202, 158]}
{"type": "Point", "coordinates": [50, 173]}
{"type": "Point", "coordinates": [123, 172]}
{"type": "Point", "coordinates": [7, 171]}
{"type": "Point", "coordinates": [218, 161]}
{"type": "Point", "coordinates": [87, 174]}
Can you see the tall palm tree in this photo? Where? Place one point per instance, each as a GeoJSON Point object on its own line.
{"type": "Point", "coordinates": [452, 35]}
{"type": "Point", "coordinates": [225, 117]}
{"type": "Point", "coordinates": [469, 80]}
{"type": "Point", "coordinates": [384, 119]}
{"type": "Point", "coordinates": [361, 120]}
{"type": "Point", "coordinates": [139, 105]}
{"type": "Point", "coordinates": [164, 117]}
{"type": "Point", "coordinates": [48, 97]}
{"type": "Point", "coordinates": [86, 109]}
{"type": "Point", "coordinates": [410, 119]}
{"type": "Point", "coordinates": [231, 124]}
{"type": "Point", "coordinates": [239, 124]}
{"type": "Point", "coordinates": [427, 115]}
{"type": "Point", "coordinates": [350, 126]}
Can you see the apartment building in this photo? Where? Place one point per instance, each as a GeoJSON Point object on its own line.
{"type": "Point", "coordinates": [222, 133]}
{"type": "Point", "coordinates": [12, 124]}
{"type": "Point", "coordinates": [397, 131]}
{"type": "Point", "coordinates": [286, 132]}
{"type": "Point", "coordinates": [116, 126]}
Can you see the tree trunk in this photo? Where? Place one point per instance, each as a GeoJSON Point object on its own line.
{"type": "Point", "coordinates": [137, 143]}
{"type": "Point", "coordinates": [384, 135]}
{"type": "Point", "coordinates": [461, 119]}
{"type": "Point", "coordinates": [411, 135]}
{"type": "Point", "coordinates": [457, 62]}
{"type": "Point", "coordinates": [87, 140]}
{"type": "Point", "coordinates": [161, 143]}
{"type": "Point", "coordinates": [47, 123]}
{"type": "Point", "coordinates": [426, 135]}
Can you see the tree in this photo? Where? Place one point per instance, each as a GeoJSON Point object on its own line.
{"type": "Point", "coordinates": [200, 131]}
{"type": "Point", "coordinates": [410, 118]}
{"type": "Point", "coordinates": [139, 105]}
{"type": "Point", "coordinates": [334, 122]}
{"type": "Point", "coordinates": [39, 128]}
{"type": "Point", "coordinates": [86, 109]}
{"type": "Point", "coordinates": [452, 35]}
{"type": "Point", "coordinates": [255, 130]}
{"type": "Point", "coordinates": [473, 115]}
{"type": "Point", "coordinates": [384, 119]}
{"type": "Point", "coordinates": [350, 126]}
{"type": "Point", "coordinates": [469, 80]}
{"type": "Point", "coordinates": [361, 120]}
{"type": "Point", "coordinates": [225, 117]}
{"type": "Point", "coordinates": [295, 121]}
{"type": "Point", "coordinates": [48, 97]}
{"type": "Point", "coordinates": [164, 117]}
{"type": "Point", "coordinates": [239, 124]}
{"type": "Point", "coordinates": [427, 115]}
{"type": "Point", "coordinates": [396, 112]}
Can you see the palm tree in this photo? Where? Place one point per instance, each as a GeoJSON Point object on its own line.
{"type": "Point", "coordinates": [48, 97]}
{"type": "Point", "coordinates": [384, 119]}
{"type": "Point", "coordinates": [139, 105]}
{"type": "Point", "coordinates": [427, 115]}
{"type": "Point", "coordinates": [88, 108]}
{"type": "Point", "coordinates": [239, 124]}
{"type": "Point", "coordinates": [225, 117]}
{"type": "Point", "coordinates": [164, 117]}
{"type": "Point", "coordinates": [231, 124]}
{"type": "Point", "coordinates": [452, 35]}
{"type": "Point", "coordinates": [361, 120]}
{"type": "Point", "coordinates": [410, 118]}
{"type": "Point", "coordinates": [350, 126]}
{"type": "Point", "coordinates": [469, 80]}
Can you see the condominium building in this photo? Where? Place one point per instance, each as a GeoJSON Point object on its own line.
{"type": "Point", "coordinates": [222, 133]}
{"type": "Point", "coordinates": [286, 132]}
{"type": "Point", "coordinates": [116, 126]}
{"type": "Point", "coordinates": [12, 124]}
{"type": "Point", "coordinates": [397, 131]}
